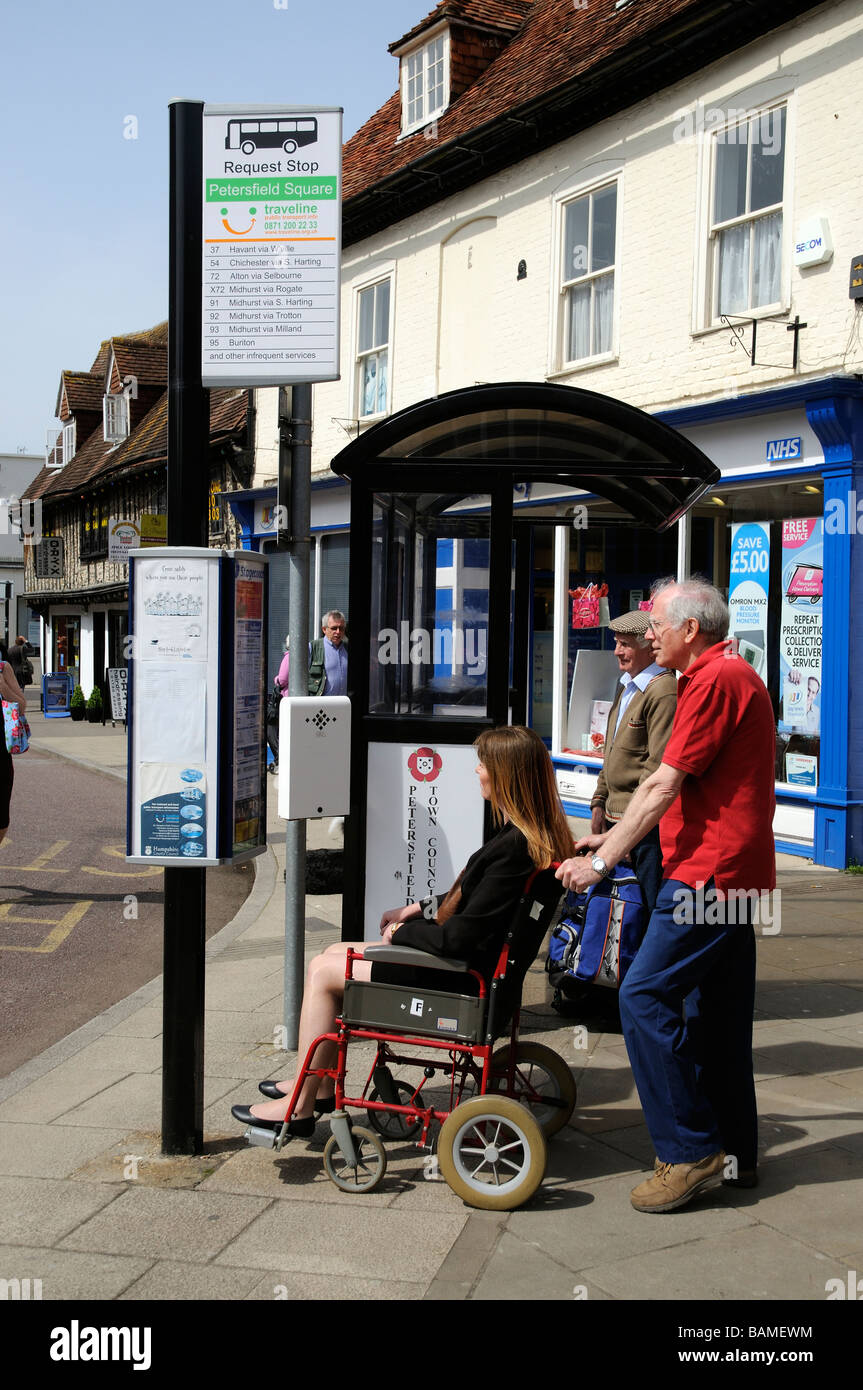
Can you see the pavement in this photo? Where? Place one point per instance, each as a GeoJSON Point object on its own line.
{"type": "Point", "coordinates": [91, 1208]}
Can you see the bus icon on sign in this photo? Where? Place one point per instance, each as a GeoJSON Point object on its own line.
{"type": "Point", "coordinates": [284, 132]}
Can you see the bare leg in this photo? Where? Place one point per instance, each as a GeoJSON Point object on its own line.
{"type": "Point", "coordinates": [325, 987]}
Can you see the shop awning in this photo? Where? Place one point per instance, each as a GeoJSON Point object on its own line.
{"type": "Point", "coordinates": [541, 432]}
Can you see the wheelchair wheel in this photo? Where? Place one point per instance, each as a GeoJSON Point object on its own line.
{"type": "Point", "coordinates": [394, 1127]}
{"type": "Point", "coordinates": [539, 1072]}
{"type": "Point", "coordinates": [371, 1162]}
{"type": "Point", "coordinates": [491, 1152]}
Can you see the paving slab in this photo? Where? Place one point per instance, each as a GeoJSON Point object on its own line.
{"type": "Point", "coordinates": [34, 1151]}
{"type": "Point", "coordinates": [174, 1281]}
{"type": "Point", "coordinates": [134, 1102]}
{"type": "Point", "coordinates": [588, 1223]}
{"type": "Point", "coordinates": [69, 1277]}
{"type": "Point", "coordinates": [804, 1047]}
{"type": "Point", "coordinates": [815, 1198]}
{"type": "Point", "coordinates": [62, 1089]}
{"type": "Point", "coordinates": [755, 1264]}
{"type": "Point", "coordinates": [797, 1110]}
{"type": "Point", "coordinates": [280, 1287]}
{"type": "Point", "coordinates": [40, 1211]}
{"type": "Point", "coordinates": [521, 1271]}
{"type": "Point", "coordinates": [143, 1023]}
{"type": "Point", "coordinates": [347, 1238]}
{"type": "Point", "coordinates": [163, 1222]}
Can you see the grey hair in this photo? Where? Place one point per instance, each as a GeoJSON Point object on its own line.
{"type": "Point", "coordinates": [333, 613]}
{"type": "Point", "coordinates": [696, 598]}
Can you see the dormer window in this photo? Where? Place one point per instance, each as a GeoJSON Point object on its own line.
{"type": "Point", "coordinates": [115, 413]}
{"type": "Point", "coordinates": [68, 441]}
{"type": "Point", "coordinates": [61, 445]}
{"type": "Point", "coordinates": [425, 82]}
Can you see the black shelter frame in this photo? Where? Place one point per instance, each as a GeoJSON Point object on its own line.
{"type": "Point", "coordinates": [485, 440]}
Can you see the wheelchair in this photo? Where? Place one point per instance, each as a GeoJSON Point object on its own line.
{"type": "Point", "coordinates": [501, 1104]}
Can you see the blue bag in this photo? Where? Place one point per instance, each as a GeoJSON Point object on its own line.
{"type": "Point", "coordinates": [598, 935]}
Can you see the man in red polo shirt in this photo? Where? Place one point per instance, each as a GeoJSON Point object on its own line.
{"type": "Point", "coordinates": [687, 1001]}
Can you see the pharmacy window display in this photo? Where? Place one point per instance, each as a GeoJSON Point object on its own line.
{"type": "Point", "coordinates": [775, 566]}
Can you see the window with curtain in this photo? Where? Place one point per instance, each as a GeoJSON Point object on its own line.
{"type": "Point", "coordinates": [373, 330]}
{"type": "Point", "coordinates": [748, 167]}
{"type": "Point", "coordinates": [589, 251]}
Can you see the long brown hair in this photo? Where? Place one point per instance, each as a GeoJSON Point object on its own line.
{"type": "Point", "coordinates": [524, 792]}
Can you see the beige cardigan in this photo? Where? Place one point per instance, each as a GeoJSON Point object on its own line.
{"type": "Point", "coordinates": [637, 746]}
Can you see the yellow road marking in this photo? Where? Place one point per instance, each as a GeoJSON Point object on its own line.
{"type": "Point", "coordinates": [40, 863]}
{"type": "Point", "coordinates": [118, 853]}
{"type": "Point", "coordinates": [62, 928]}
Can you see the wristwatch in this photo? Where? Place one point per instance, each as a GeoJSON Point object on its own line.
{"type": "Point", "coordinates": [599, 866]}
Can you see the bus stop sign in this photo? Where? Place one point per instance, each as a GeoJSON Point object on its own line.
{"type": "Point", "coordinates": [271, 245]}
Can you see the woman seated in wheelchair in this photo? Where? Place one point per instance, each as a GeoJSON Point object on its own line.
{"type": "Point", "coordinates": [470, 923]}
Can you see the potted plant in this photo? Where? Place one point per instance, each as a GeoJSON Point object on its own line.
{"type": "Point", "coordinates": [94, 706]}
{"type": "Point", "coordinates": [77, 705]}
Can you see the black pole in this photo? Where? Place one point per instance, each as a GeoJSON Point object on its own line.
{"type": "Point", "coordinates": [188, 467]}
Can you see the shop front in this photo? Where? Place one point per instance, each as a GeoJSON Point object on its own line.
{"type": "Point", "coordinates": [85, 636]}
{"type": "Point", "coordinates": [786, 535]}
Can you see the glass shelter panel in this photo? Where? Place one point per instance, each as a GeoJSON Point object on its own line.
{"type": "Point", "coordinates": [429, 605]}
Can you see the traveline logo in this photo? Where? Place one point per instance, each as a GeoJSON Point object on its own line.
{"type": "Point", "coordinates": [76, 1343]}
{"type": "Point", "coordinates": [784, 449]}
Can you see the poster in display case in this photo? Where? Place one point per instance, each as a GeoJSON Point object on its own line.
{"type": "Point", "coordinates": [197, 760]}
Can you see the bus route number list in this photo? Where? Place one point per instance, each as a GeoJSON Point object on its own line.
{"type": "Point", "coordinates": [269, 303]}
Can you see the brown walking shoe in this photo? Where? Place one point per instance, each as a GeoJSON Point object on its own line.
{"type": "Point", "coordinates": [675, 1184]}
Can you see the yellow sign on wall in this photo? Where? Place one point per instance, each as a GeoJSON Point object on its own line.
{"type": "Point", "coordinates": [154, 528]}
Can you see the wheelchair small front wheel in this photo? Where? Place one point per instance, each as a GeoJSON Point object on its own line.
{"type": "Point", "coordinates": [542, 1082]}
{"type": "Point", "coordinates": [371, 1162]}
{"type": "Point", "coordinates": [491, 1152]}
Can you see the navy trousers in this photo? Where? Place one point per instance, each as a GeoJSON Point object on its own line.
{"type": "Point", "coordinates": [646, 861]}
{"type": "Point", "coordinates": [686, 1007]}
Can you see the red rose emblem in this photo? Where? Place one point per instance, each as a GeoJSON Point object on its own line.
{"type": "Point", "coordinates": [425, 764]}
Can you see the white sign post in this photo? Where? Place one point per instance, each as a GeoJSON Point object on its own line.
{"type": "Point", "coordinates": [271, 245]}
{"type": "Point", "coordinates": [424, 819]}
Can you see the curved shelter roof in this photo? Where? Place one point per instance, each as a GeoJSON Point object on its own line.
{"type": "Point", "coordinates": [542, 432]}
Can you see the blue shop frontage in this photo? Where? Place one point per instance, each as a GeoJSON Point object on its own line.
{"type": "Point", "coordinates": [779, 531]}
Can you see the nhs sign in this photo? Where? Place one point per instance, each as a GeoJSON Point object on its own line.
{"type": "Point", "coordinates": [784, 449]}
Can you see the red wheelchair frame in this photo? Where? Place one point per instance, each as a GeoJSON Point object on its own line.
{"type": "Point", "coordinates": [491, 1145]}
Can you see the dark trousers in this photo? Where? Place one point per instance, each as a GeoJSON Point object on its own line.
{"type": "Point", "coordinates": [686, 1007]}
{"type": "Point", "coordinates": [646, 860]}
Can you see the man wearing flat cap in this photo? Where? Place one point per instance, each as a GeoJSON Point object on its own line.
{"type": "Point", "coordinates": [639, 726]}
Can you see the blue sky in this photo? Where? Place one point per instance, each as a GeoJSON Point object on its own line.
{"type": "Point", "coordinates": [83, 219]}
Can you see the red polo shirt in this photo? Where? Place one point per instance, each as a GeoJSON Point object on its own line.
{"type": "Point", "coordinates": [724, 737]}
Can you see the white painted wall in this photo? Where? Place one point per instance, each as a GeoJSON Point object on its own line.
{"type": "Point", "coordinates": [460, 314]}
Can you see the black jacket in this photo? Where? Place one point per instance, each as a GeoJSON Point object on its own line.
{"type": "Point", "coordinates": [491, 886]}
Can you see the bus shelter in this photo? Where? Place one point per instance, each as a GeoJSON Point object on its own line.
{"type": "Point", "coordinates": [444, 496]}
